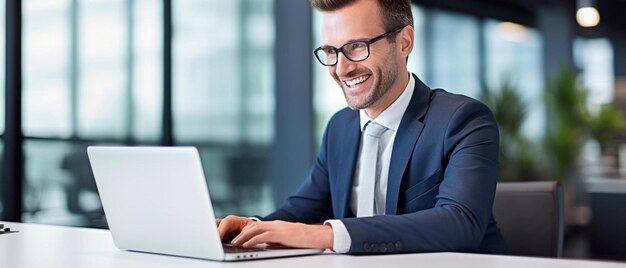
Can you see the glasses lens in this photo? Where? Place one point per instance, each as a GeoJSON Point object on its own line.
{"type": "Point", "coordinates": [326, 55]}
{"type": "Point", "coordinates": [356, 51]}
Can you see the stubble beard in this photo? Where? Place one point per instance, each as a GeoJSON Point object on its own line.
{"type": "Point", "coordinates": [384, 78]}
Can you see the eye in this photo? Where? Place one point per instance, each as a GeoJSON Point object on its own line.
{"type": "Point", "coordinates": [329, 50]}
{"type": "Point", "coordinates": [357, 45]}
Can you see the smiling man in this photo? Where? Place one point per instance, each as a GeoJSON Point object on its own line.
{"type": "Point", "coordinates": [404, 168]}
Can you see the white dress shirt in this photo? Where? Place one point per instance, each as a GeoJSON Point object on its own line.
{"type": "Point", "coordinates": [390, 118]}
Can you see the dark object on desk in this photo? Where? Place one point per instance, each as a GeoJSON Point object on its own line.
{"type": "Point", "coordinates": [530, 216]}
{"type": "Point", "coordinates": [5, 230]}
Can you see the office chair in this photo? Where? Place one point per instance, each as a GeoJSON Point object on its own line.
{"type": "Point", "coordinates": [530, 216]}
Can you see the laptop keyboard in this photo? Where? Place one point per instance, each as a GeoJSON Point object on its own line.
{"type": "Point", "coordinates": [228, 248]}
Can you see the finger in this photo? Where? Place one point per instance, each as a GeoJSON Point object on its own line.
{"type": "Point", "coordinates": [224, 227]}
{"type": "Point", "coordinates": [265, 237]}
{"type": "Point", "coordinates": [248, 232]}
{"type": "Point", "coordinates": [217, 221]}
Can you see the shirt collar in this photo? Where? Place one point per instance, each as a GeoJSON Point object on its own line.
{"type": "Point", "coordinates": [391, 117]}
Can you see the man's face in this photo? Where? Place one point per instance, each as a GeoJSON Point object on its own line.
{"type": "Point", "coordinates": [367, 83]}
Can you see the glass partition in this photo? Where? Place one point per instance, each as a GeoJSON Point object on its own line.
{"type": "Point", "coordinates": [594, 58]}
{"type": "Point", "coordinates": [46, 65]}
{"type": "Point", "coordinates": [454, 51]}
{"type": "Point", "coordinates": [92, 74]}
{"type": "Point", "coordinates": [514, 53]}
{"type": "Point", "coordinates": [223, 97]}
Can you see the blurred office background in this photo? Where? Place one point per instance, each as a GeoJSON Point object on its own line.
{"type": "Point", "coordinates": [237, 79]}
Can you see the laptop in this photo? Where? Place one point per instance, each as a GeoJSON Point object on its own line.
{"type": "Point", "coordinates": [156, 200]}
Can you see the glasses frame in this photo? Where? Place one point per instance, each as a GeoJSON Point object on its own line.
{"type": "Point", "coordinates": [366, 42]}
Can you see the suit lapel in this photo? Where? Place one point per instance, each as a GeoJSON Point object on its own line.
{"type": "Point", "coordinates": [345, 176]}
{"type": "Point", "coordinates": [408, 132]}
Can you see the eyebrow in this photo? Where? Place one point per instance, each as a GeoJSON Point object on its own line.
{"type": "Point", "coordinates": [349, 41]}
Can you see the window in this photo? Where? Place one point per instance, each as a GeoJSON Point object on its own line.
{"type": "Point", "coordinates": [46, 77]}
{"type": "Point", "coordinates": [594, 58]}
{"type": "Point", "coordinates": [514, 53]}
{"type": "Point", "coordinates": [417, 59]}
{"type": "Point", "coordinates": [145, 70]}
{"type": "Point", "coordinates": [46, 105]}
{"type": "Point", "coordinates": [223, 99]}
{"type": "Point", "coordinates": [454, 50]}
{"type": "Point", "coordinates": [327, 95]}
{"type": "Point", "coordinates": [91, 73]}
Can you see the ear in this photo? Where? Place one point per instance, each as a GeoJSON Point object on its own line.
{"type": "Point", "coordinates": [407, 37]}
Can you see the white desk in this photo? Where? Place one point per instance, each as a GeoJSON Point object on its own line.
{"type": "Point", "coordinates": [53, 246]}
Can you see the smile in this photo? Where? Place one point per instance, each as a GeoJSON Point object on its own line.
{"type": "Point", "coordinates": [357, 81]}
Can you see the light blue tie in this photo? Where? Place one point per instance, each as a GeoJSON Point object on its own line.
{"type": "Point", "coordinates": [368, 166]}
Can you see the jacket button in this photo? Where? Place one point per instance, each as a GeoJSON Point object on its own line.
{"type": "Point", "coordinates": [366, 247]}
{"type": "Point", "coordinates": [390, 247]}
{"type": "Point", "coordinates": [398, 245]}
{"type": "Point", "coordinates": [383, 247]}
{"type": "Point", "coordinates": [374, 248]}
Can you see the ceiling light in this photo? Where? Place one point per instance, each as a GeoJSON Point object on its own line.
{"type": "Point", "coordinates": [513, 32]}
{"type": "Point", "coordinates": [587, 15]}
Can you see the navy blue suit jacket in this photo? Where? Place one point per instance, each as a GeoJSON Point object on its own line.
{"type": "Point", "coordinates": [441, 186]}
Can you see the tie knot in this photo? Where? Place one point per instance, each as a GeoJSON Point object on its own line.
{"type": "Point", "coordinates": [374, 129]}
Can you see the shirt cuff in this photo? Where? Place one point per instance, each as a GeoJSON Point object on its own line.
{"type": "Point", "coordinates": [341, 237]}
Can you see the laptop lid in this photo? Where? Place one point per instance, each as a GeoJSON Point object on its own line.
{"type": "Point", "coordinates": [156, 200]}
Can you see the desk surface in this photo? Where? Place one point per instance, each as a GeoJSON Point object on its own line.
{"type": "Point", "coordinates": [606, 185]}
{"type": "Point", "coordinates": [55, 246]}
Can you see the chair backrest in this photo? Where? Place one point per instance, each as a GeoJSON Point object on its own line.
{"type": "Point", "coordinates": [530, 216]}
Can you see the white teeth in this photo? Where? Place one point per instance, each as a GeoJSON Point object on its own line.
{"type": "Point", "coordinates": [359, 80]}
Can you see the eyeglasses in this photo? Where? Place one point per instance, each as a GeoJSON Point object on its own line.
{"type": "Point", "coordinates": [354, 51]}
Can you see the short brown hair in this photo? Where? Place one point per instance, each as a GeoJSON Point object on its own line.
{"type": "Point", "coordinates": [395, 13]}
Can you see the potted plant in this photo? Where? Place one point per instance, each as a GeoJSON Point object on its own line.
{"type": "Point", "coordinates": [605, 127]}
{"type": "Point", "coordinates": [518, 154]}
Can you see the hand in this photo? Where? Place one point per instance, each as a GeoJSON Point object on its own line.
{"type": "Point", "coordinates": [287, 234]}
{"type": "Point", "coordinates": [231, 225]}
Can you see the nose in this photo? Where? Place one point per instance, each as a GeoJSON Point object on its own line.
{"type": "Point", "coordinates": [344, 66]}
